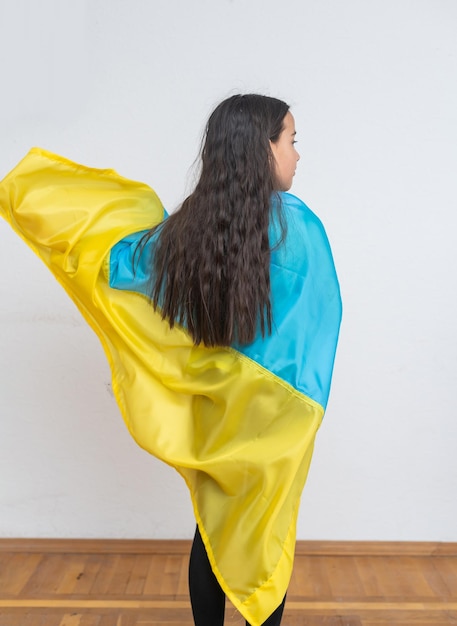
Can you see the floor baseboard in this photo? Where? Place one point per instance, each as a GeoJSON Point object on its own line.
{"type": "Point", "coordinates": [182, 546]}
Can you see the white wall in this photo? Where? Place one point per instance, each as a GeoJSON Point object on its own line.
{"type": "Point", "coordinates": [129, 84]}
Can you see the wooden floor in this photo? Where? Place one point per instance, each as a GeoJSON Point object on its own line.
{"type": "Point", "coordinates": [144, 583]}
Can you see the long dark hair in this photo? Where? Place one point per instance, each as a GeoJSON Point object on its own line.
{"type": "Point", "coordinates": [211, 260]}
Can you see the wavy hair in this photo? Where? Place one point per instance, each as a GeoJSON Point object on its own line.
{"type": "Point", "coordinates": [211, 261]}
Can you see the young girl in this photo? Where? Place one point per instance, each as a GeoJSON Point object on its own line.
{"type": "Point", "coordinates": [226, 376]}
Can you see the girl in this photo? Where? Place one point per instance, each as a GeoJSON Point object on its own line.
{"type": "Point", "coordinates": [226, 376]}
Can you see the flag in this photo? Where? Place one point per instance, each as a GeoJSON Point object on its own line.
{"type": "Point", "coordinates": [237, 423]}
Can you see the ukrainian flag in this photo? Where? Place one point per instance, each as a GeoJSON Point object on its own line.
{"type": "Point", "coordinates": [237, 423]}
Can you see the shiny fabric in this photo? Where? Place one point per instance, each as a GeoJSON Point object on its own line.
{"type": "Point", "coordinates": [237, 423]}
{"type": "Point", "coordinates": [305, 298]}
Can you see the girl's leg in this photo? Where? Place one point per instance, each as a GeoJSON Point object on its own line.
{"type": "Point", "coordinates": [206, 596]}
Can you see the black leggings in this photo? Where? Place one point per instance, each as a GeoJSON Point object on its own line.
{"type": "Point", "coordinates": [206, 595]}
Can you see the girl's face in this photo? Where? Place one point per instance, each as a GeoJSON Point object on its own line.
{"type": "Point", "coordinates": [285, 154]}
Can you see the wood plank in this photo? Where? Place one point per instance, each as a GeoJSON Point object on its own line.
{"type": "Point", "coordinates": [16, 571]}
{"type": "Point", "coordinates": [139, 575]}
{"type": "Point", "coordinates": [368, 569]}
{"type": "Point", "coordinates": [170, 576]}
{"type": "Point", "coordinates": [343, 577]}
{"type": "Point", "coordinates": [86, 578]}
{"type": "Point", "coordinates": [72, 573]}
{"type": "Point", "coordinates": [448, 570]}
{"type": "Point", "coordinates": [154, 575]}
{"type": "Point", "coordinates": [183, 583]}
{"type": "Point", "coordinates": [122, 572]}
{"type": "Point", "coordinates": [316, 605]}
{"type": "Point", "coordinates": [435, 572]}
{"type": "Point", "coordinates": [312, 575]}
{"type": "Point", "coordinates": [104, 577]}
{"type": "Point", "coordinates": [45, 576]}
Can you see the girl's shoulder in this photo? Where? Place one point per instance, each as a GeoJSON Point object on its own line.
{"type": "Point", "coordinates": [301, 222]}
{"type": "Point", "coordinates": [304, 241]}
{"type": "Point", "coordinates": [293, 204]}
